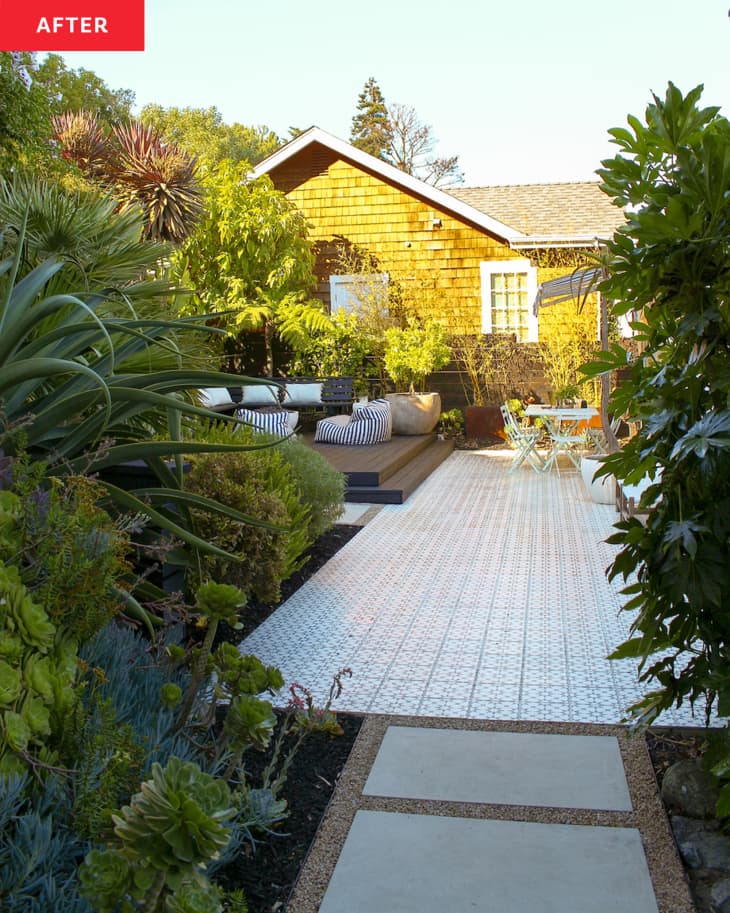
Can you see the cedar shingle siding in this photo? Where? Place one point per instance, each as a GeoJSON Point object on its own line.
{"type": "Point", "coordinates": [431, 243]}
{"type": "Point", "coordinates": [343, 202]}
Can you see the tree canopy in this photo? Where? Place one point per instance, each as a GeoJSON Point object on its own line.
{"type": "Point", "coordinates": [396, 134]}
{"type": "Point", "coordinates": [250, 257]}
{"type": "Point", "coordinates": [371, 130]}
{"type": "Point", "coordinates": [81, 90]}
{"type": "Point", "coordinates": [202, 132]}
{"type": "Point", "coordinates": [27, 111]}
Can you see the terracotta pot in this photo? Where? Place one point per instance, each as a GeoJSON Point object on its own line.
{"type": "Point", "coordinates": [414, 413]}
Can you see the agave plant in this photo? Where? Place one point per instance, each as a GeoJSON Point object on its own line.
{"type": "Point", "coordinates": [83, 392]}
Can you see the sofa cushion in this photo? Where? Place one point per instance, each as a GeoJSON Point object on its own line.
{"type": "Point", "coordinates": [211, 397]}
{"type": "Point", "coordinates": [261, 395]}
{"type": "Point", "coordinates": [303, 394]}
{"type": "Point", "coordinates": [271, 422]}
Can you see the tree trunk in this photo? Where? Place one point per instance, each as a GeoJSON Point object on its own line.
{"type": "Point", "coordinates": [269, 348]}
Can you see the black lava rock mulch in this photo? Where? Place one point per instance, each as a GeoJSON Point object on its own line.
{"type": "Point", "coordinates": [268, 870]}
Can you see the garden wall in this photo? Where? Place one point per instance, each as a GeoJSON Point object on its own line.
{"type": "Point", "coordinates": [523, 376]}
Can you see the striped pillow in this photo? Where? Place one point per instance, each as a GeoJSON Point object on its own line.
{"type": "Point", "coordinates": [270, 422]}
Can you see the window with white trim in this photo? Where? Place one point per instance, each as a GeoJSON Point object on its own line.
{"type": "Point", "coordinates": [355, 292]}
{"type": "Point", "coordinates": [509, 289]}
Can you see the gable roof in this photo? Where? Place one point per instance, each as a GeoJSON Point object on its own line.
{"type": "Point", "coordinates": [526, 215]}
{"type": "Point", "coordinates": [559, 213]}
{"type": "Point", "coordinates": [438, 198]}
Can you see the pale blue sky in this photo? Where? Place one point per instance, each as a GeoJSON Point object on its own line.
{"type": "Point", "coordinates": [523, 91]}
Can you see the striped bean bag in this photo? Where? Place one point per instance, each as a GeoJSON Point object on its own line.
{"type": "Point", "coordinates": [369, 423]}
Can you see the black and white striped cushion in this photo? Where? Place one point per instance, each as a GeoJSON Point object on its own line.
{"type": "Point", "coordinates": [270, 422]}
{"type": "Point", "coordinates": [367, 425]}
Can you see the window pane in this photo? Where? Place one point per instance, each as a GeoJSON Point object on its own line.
{"type": "Point", "coordinates": [510, 304]}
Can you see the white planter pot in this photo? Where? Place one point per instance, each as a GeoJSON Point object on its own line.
{"type": "Point", "coordinates": [601, 490]}
{"type": "Point", "coordinates": [414, 413]}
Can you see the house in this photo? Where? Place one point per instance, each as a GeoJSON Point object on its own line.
{"type": "Point", "coordinates": [474, 254]}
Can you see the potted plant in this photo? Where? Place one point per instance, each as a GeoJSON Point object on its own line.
{"type": "Point", "coordinates": [411, 354]}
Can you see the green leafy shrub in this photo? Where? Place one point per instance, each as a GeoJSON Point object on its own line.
{"type": "Point", "coordinates": [321, 487]}
{"type": "Point", "coordinates": [110, 758]}
{"type": "Point", "coordinates": [260, 548]}
{"type": "Point", "coordinates": [415, 351]}
{"type": "Point", "coordinates": [71, 554]}
{"type": "Point", "coordinates": [671, 264]}
{"type": "Point", "coordinates": [343, 349]}
{"type": "Point", "coordinates": [260, 486]}
{"type": "Point", "coordinates": [451, 422]}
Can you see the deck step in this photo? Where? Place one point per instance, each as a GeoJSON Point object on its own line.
{"type": "Point", "coordinates": [370, 466]}
{"type": "Point", "coordinates": [399, 485]}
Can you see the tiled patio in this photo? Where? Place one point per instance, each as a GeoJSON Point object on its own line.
{"type": "Point", "coordinates": [484, 596]}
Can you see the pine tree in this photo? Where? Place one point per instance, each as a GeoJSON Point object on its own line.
{"type": "Point", "coordinates": [371, 129]}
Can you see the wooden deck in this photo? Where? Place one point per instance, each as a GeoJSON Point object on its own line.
{"type": "Point", "coordinates": [385, 473]}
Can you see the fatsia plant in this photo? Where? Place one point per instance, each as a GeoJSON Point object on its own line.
{"type": "Point", "coordinates": [671, 264]}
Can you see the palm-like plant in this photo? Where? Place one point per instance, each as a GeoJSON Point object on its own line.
{"type": "Point", "coordinates": [159, 177]}
{"type": "Point", "coordinates": [83, 141]}
{"type": "Point", "coordinates": [100, 245]}
{"type": "Point", "coordinates": [143, 170]}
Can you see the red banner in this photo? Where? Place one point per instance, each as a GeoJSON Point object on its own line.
{"type": "Point", "coordinates": [72, 25]}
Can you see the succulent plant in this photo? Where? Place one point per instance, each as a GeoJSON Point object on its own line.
{"type": "Point", "coordinates": [249, 722]}
{"type": "Point", "coordinates": [176, 820]}
{"type": "Point", "coordinates": [221, 602]}
{"type": "Point", "coordinates": [173, 826]}
{"type": "Point", "coordinates": [237, 674]}
{"type": "Point", "coordinates": [37, 672]}
{"type": "Point", "coordinates": [105, 876]}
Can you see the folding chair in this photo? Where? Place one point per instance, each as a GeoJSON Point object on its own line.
{"type": "Point", "coordinates": [524, 440]}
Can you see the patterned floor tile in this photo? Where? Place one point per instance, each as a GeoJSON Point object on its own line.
{"type": "Point", "coordinates": [483, 596]}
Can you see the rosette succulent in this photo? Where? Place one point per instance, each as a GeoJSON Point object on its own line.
{"type": "Point", "coordinates": [37, 672]}
{"type": "Point", "coordinates": [173, 826]}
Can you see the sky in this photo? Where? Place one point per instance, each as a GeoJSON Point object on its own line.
{"type": "Point", "coordinates": [522, 91]}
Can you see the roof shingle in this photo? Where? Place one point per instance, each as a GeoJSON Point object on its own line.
{"type": "Point", "coordinates": [548, 211]}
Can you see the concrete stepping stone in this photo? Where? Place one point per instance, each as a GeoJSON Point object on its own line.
{"type": "Point", "coordinates": [504, 768]}
{"type": "Point", "coordinates": [407, 863]}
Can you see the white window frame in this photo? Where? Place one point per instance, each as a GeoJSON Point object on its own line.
{"type": "Point", "coordinates": [343, 290]}
{"type": "Point", "coordinates": [489, 268]}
